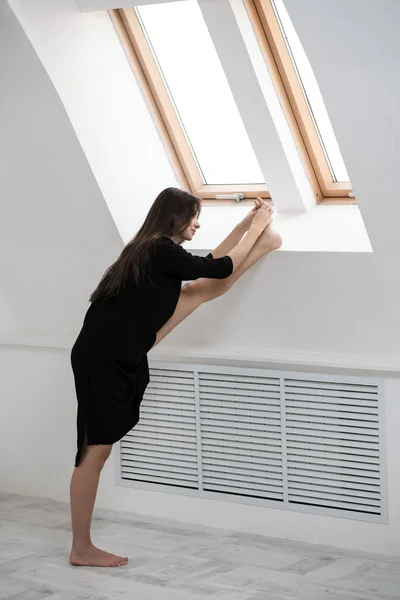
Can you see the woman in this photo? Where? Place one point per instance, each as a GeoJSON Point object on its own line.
{"type": "Point", "coordinates": [137, 302]}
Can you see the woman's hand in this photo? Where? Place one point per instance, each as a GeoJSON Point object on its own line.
{"type": "Point", "coordinates": [245, 223]}
{"type": "Point", "coordinates": [262, 218]}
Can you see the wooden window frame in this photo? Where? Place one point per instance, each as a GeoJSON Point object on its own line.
{"type": "Point", "coordinates": [271, 40]}
{"type": "Point", "coordinates": [161, 107]}
{"type": "Point", "coordinates": [187, 172]}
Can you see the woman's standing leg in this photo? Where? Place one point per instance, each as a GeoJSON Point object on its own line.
{"type": "Point", "coordinates": [83, 491]}
{"type": "Point", "coordinates": [203, 290]}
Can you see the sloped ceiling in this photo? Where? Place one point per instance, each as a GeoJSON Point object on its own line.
{"type": "Point", "coordinates": [51, 254]}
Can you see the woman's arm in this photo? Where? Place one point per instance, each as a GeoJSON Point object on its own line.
{"type": "Point", "coordinates": [173, 260]}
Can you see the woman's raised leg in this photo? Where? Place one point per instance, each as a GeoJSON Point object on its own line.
{"type": "Point", "coordinates": [203, 290]}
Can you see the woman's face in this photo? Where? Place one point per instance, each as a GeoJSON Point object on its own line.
{"type": "Point", "coordinates": [190, 231]}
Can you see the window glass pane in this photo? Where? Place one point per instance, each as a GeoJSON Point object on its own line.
{"type": "Point", "coordinates": [312, 94]}
{"type": "Point", "coordinates": [193, 75]}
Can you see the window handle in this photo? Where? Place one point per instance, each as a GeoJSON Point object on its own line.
{"type": "Point", "coordinates": [235, 197]}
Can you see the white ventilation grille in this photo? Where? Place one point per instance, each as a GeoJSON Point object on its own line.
{"type": "Point", "coordinates": [162, 448]}
{"type": "Point", "coordinates": [332, 440]}
{"type": "Point", "coordinates": [297, 441]}
{"type": "Point", "coordinates": [241, 441]}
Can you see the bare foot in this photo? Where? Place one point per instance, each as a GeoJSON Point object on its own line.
{"type": "Point", "coordinates": [93, 557]}
{"type": "Point", "coordinates": [269, 239]}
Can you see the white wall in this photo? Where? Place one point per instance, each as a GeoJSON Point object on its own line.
{"type": "Point", "coordinates": [7, 320]}
{"type": "Point", "coordinates": [50, 254]}
{"type": "Point", "coordinates": [37, 428]}
{"type": "Point", "coordinates": [58, 236]}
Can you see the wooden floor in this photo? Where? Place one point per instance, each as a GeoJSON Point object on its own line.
{"type": "Point", "coordinates": [173, 561]}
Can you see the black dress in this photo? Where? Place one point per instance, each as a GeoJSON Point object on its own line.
{"type": "Point", "coordinates": [109, 357]}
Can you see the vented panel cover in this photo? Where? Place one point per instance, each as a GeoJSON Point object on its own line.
{"type": "Point", "coordinates": [298, 440]}
{"type": "Point", "coordinates": [241, 435]}
{"type": "Point", "coordinates": [333, 451]}
{"type": "Point", "coordinates": [162, 447]}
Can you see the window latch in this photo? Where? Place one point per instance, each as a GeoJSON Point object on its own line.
{"type": "Point", "coordinates": [234, 197]}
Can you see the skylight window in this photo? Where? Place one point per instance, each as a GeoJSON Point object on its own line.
{"type": "Point", "coordinates": [297, 80]}
{"type": "Point", "coordinates": [312, 94]}
{"type": "Point", "coordinates": [175, 61]}
{"type": "Point", "coordinates": [200, 94]}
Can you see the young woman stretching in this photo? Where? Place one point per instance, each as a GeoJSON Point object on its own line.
{"type": "Point", "coordinates": [139, 300]}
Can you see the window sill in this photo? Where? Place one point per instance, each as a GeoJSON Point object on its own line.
{"type": "Point", "coordinates": [327, 228]}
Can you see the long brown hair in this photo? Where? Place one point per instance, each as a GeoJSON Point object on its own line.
{"type": "Point", "coordinates": [170, 214]}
